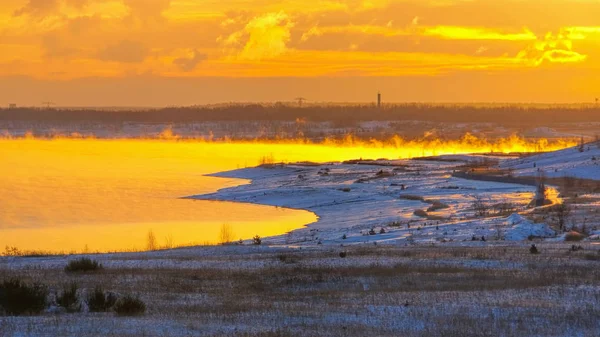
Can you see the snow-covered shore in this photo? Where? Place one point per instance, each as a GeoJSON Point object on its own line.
{"type": "Point", "coordinates": [581, 162]}
{"type": "Point", "coordinates": [398, 201]}
{"type": "Point", "coordinates": [403, 201]}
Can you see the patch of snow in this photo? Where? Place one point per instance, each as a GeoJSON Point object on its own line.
{"type": "Point", "coordinates": [574, 162]}
{"type": "Point", "coordinates": [521, 229]}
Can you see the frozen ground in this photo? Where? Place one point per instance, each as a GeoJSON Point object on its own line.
{"type": "Point", "coordinates": [383, 290]}
{"type": "Point", "coordinates": [407, 201]}
{"type": "Point", "coordinates": [578, 162]}
{"type": "Point", "coordinates": [396, 202]}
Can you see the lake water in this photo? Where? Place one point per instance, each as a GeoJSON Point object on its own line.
{"type": "Point", "coordinates": [65, 195]}
{"type": "Point", "coordinates": [107, 195]}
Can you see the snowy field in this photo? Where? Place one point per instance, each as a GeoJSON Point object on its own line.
{"type": "Point", "coordinates": [580, 162]}
{"type": "Point", "coordinates": [383, 290]}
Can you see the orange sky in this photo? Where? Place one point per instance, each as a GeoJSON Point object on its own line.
{"type": "Point", "coordinates": [163, 52]}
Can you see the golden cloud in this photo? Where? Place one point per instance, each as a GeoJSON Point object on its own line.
{"type": "Point", "coordinates": [265, 36]}
{"type": "Point", "coordinates": [554, 48]}
{"type": "Point", "coordinates": [442, 32]}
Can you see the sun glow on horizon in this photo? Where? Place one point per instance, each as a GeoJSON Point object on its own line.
{"type": "Point", "coordinates": [481, 43]}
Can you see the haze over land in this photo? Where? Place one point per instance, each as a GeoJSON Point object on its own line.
{"type": "Point", "coordinates": [167, 52]}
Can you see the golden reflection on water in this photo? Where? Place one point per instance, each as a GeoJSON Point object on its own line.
{"type": "Point", "coordinates": [105, 195]}
{"type": "Point", "coordinates": [66, 194]}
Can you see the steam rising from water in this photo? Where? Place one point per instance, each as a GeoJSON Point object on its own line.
{"type": "Point", "coordinates": [351, 147]}
{"type": "Point", "coordinates": [65, 193]}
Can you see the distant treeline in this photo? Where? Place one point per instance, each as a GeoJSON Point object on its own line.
{"type": "Point", "coordinates": [506, 115]}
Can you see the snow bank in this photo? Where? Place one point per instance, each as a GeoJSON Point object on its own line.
{"type": "Point", "coordinates": [520, 229]}
{"type": "Point", "coordinates": [570, 162]}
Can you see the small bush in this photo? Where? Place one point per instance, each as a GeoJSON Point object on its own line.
{"type": "Point", "coordinates": [288, 259]}
{"type": "Point", "coordinates": [18, 298]}
{"type": "Point", "coordinates": [533, 250]}
{"type": "Point", "coordinates": [343, 254]}
{"type": "Point", "coordinates": [257, 240]}
{"type": "Point", "coordinates": [83, 264]}
{"type": "Point", "coordinates": [99, 301]}
{"type": "Point", "coordinates": [68, 298]}
{"type": "Point", "coordinates": [574, 237]}
{"type": "Point", "coordinates": [437, 205]}
{"type": "Point", "coordinates": [412, 197]}
{"type": "Point", "coordinates": [130, 306]}
{"type": "Point", "coordinates": [420, 213]}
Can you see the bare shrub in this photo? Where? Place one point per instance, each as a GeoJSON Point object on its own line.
{"type": "Point", "coordinates": [100, 301]}
{"type": "Point", "coordinates": [505, 208]}
{"type": "Point", "coordinates": [151, 243]}
{"type": "Point", "coordinates": [130, 306]}
{"type": "Point", "coordinates": [68, 298]}
{"type": "Point", "coordinates": [12, 251]}
{"type": "Point", "coordinates": [420, 213]}
{"type": "Point", "coordinates": [19, 298]}
{"type": "Point", "coordinates": [83, 264]}
{"type": "Point", "coordinates": [257, 240]}
{"type": "Point", "coordinates": [574, 236]}
{"type": "Point", "coordinates": [267, 160]}
{"type": "Point", "coordinates": [169, 242]}
{"type": "Point", "coordinates": [561, 212]}
{"type": "Point", "coordinates": [226, 234]}
{"type": "Point", "coordinates": [480, 207]}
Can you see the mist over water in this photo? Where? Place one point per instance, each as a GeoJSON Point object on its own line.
{"type": "Point", "coordinates": [106, 195]}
